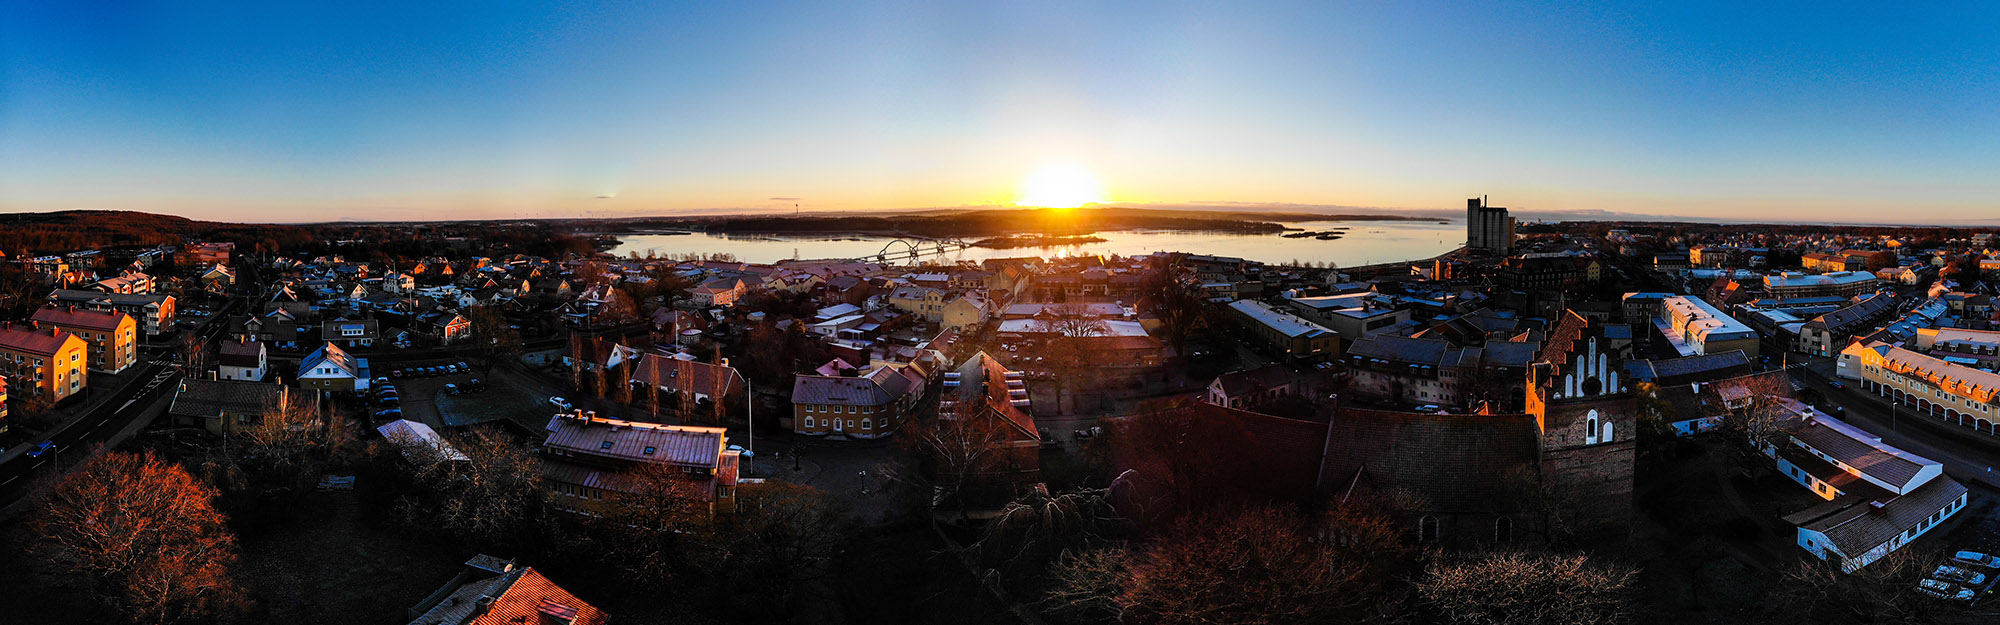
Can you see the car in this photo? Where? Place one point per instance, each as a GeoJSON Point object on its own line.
{"type": "Point", "coordinates": [560, 403]}
{"type": "Point", "coordinates": [1837, 384]}
{"type": "Point", "coordinates": [1944, 590]}
{"type": "Point", "coordinates": [451, 388]}
{"type": "Point", "coordinates": [1951, 573]}
{"type": "Point", "coordinates": [1978, 559]}
{"type": "Point", "coordinates": [392, 413]}
{"type": "Point", "coordinates": [398, 374]}
{"type": "Point", "coordinates": [740, 450]}
{"type": "Point", "coordinates": [41, 448]}
{"type": "Point", "coordinates": [381, 382]}
{"type": "Point", "coordinates": [463, 368]}
{"type": "Point", "coordinates": [388, 400]}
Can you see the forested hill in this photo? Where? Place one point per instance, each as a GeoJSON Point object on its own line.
{"type": "Point", "coordinates": [64, 231]}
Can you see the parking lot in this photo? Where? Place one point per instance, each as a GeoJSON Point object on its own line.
{"type": "Point", "coordinates": [417, 394]}
{"type": "Point", "coordinates": [1976, 528]}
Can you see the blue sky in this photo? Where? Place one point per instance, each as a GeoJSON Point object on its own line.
{"type": "Point", "coordinates": [362, 110]}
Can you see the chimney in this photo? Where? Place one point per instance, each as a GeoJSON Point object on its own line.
{"type": "Point", "coordinates": [1876, 508]}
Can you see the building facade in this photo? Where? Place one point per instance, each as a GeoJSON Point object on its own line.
{"type": "Point", "coordinates": [44, 362]}
{"type": "Point", "coordinates": [1488, 228]}
{"type": "Point", "coordinates": [113, 335]}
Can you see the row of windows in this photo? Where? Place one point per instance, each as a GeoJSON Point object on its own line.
{"type": "Point", "coordinates": [836, 409]}
{"type": "Point", "coordinates": [866, 424]}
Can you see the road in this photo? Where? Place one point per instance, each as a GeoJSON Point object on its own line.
{"type": "Point", "coordinates": [153, 384]}
{"type": "Point", "coordinates": [156, 384]}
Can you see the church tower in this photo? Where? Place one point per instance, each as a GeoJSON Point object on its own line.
{"type": "Point", "coordinates": [1584, 407]}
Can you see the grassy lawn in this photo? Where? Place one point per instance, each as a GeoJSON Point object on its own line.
{"type": "Point", "coordinates": [498, 402]}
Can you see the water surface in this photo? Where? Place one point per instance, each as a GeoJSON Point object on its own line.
{"type": "Point", "coordinates": [1365, 242]}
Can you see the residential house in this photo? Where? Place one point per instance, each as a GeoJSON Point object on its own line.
{"type": "Point", "coordinates": [241, 360]}
{"type": "Point", "coordinates": [113, 335]}
{"type": "Point", "coordinates": [673, 380]}
{"type": "Point", "coordinates": [965, 312]}
{"type": "Point", "coordinates": [228, 406]}
{"type": "Point", "coordinates": [719, 293]}
{"type": "Point", "coordinates": [871, 405]}
{"type": "Point", "coordinates": [45, 362]}
{"type": "Point", "coordinates": [218, 279]}
{"type": "Point", "coordinates": [331, 368]}
{"type": "Point", "coordinates": [351, 333]}
{"type": "Point", "coordinates": [1250, 389]}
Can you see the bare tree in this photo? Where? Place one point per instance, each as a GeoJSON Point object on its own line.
{"type": "Point", "coordinates": [964, 458]}
{"type": "Point", "coordinates": [1510, 588]}
{"type": "Point", "coordinates": [1885, 591]}
{"type": "Point", "coordinates": [1258, 566]}
{"type": "Point", "coordinates": [194, 352]}
{"type": "Point", "coordinates": [144, 533]}
{"type": "Point", "coordinates": [492, 496]}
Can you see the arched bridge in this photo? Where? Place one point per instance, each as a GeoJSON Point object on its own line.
{"type": "Point", "coordinates": [910, 250]}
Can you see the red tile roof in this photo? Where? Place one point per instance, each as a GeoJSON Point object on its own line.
{"type": "Point", "coordinates": [33, 340]}
{"type": "Point", "coordinates": [73, 317]}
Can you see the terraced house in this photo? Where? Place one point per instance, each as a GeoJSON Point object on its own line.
{"type": "Point", "coordinates": [1956, 394]}
{"type": "Point", "coordinates": [113, 335]}
{"type": "Point", "coordinates": [44, 362]}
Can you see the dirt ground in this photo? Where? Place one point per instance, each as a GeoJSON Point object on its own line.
{"type": "Point", "coordinates": [332, 566]}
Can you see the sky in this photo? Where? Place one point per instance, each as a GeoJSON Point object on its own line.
{"type": "Point", "coordinates": [301, 112]}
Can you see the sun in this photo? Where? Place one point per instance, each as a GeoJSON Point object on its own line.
{"type": "Point", "coordinates": [1060, 185]}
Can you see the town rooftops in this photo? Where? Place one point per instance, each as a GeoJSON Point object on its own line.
{"type": "Point", "coordinates": [680, 445]}
{"type": "Point", "coordinates": [1967, 382]}
{"type": "Point", "coordinates": [1862, 310]}
{"type": "Point", "coordinates": [1284, 323]}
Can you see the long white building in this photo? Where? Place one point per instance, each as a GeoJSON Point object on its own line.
{"type": "Point", "coordinates": [1878, 497]}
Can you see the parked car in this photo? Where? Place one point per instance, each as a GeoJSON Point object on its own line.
{"type": "Point", "coordinates": [451, 388]}
{"type": "Point", "coordinates": [1978, 559]}
{"type": "Point", "coordinates": [560, 403]}
{"type": "Point", "coordinates": [41, 448]}
{"type": "Point", "coordinates": [1954, 574]}
{"type": "Point", "coordinates": [475, 385]}
{"type": "Point", "coordinates": [399, 374]}
{"type": "Point", "coordinates": [388, 400]}
{"type": "Point", "coordinates": [1836, 384]}
{"type": "Point", "coordinates": [381, 382]}
{"type": "Point", "coordinates": [1943, 590]}
{"type": "Point", "coordinates": [392, 413]}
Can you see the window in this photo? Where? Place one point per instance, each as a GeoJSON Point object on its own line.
{"type": "Point", "coordinates": [606, 445]}
{"type": "Point", "coordinates": [649, 450]}
{"type": "Point", "coordinates": [867, 424]}
{"type": "Point", "coordinates": [1427, 529]}
{"type": "Point", "coordinates": [809, 421]}
{"type": "Point", "coordinates": [1503, 530]}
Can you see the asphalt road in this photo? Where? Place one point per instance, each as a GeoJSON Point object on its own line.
{"type": "Point", "coordinates": [156, 383]}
